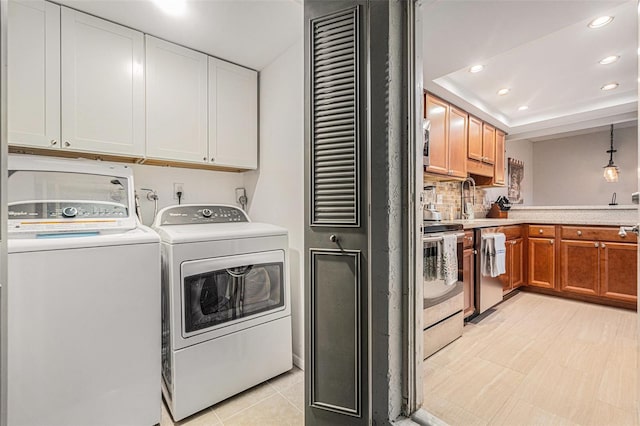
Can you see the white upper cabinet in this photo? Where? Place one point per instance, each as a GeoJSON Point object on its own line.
{"type": "Point", "coordinates": [34, 73]}
{"type": "Point", "coordinates": [233, 115]}
{"type": "Point", "coordinates": [102, 86]}
{"type": "Point", "coordinates": [176, 102]}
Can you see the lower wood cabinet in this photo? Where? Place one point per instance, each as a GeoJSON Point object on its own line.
{"type": "Point", "coordinates": [541, 262]}
{"type": "Point", "coordinates": [514, 276]}
{"type": "Point", "coordinates": [468, 273]}
{"type": "Point", "coordinates": [597, 268]}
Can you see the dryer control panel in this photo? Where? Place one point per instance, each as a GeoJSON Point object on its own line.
{"type": "Point", "coordinates": [190, 214]}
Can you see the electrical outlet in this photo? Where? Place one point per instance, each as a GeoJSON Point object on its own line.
{"type": "Point", "coordinates": [178, 187]}
{"type": "Point", "coordinates": [241, 195]}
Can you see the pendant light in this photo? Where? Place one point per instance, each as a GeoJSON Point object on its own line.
{"type": "Point", "coordinates": [611, 170]}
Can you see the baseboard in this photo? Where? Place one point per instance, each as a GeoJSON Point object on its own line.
{"type": "Point", "coordinates": [298, 362]}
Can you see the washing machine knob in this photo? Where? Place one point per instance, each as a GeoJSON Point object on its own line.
{"type": "Point", "coordinates": [69, 212]}
{"type": "Point", "coordinates": [207, 213]}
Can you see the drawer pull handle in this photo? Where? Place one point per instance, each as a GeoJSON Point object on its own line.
{"type": "Point", "coordinates": [540, 231]}
{"type": "Point", "coordinates": [596, 244]}
{"type": "Point", "coordinates": [603, 245]}
{"type": "Point", "coordinates": [579, 233]}
{"type": "Point", "coordinates": [551, 242]}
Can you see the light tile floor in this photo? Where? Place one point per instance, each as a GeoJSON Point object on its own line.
{"type": "Point", "coordinates": [277, 402]}
{"type": "Point", "coordinates": [539, 360]}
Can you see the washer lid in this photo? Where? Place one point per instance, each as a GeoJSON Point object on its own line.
{"type": "Point", "coordinates": [179, 234]}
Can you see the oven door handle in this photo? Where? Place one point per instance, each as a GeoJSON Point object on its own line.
{"type": "Point", "coordinates": [439, 238]}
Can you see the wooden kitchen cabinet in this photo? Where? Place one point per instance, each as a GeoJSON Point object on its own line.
{"type": "Point", "coordinates": [514, 276]}
{"type": "Point", "coordinates": [541, 262]}
{"type": "Point", "coordinates": [176, 102]}
{"type": "Point", "coordinates": [474, 139]}
{"type": "Point", "coordinates": [488, 143]}
{"type": "Point", "coordinates": [594, 265]}
{"type": "Point", "coordinates": [468, 273]}
{"type": "Point", "coordinates": [447, 138]}
{"type": "Point", "coordinates": [102, 92]}
{"type": "Point", "coordinates": [498, 167]}
{"type": "Point", "coordinates": [34, 74]}
{"type": "Point", "coordinates": [233, 115]}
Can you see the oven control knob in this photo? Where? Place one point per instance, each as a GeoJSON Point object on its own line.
{"type": "Point", "coordinates": [207, 213]}
{"type": "Point", "coordinates": [69, 212]}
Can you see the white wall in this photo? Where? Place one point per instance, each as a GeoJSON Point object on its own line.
{"type": "Point", "coordinates": [275, 190]}
{"type": "Point", "coordinates": [520, 150]}
{"type": "Point", "coordinates": [199, 186]}
{"type": "Point", "coordinates": [568, 171]}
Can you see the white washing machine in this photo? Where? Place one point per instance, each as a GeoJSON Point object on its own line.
{"type": "Point", "coordinates": [226, 315]}
{"type": "Point", "coordinates": [83, 297]}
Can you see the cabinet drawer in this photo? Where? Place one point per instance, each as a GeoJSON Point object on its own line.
{"type": "Point", "coordinates": [512, 232]}
{"type": "Point", "coordinates": [542, 231]}
{"type": "Point", "coordinates": [594, 233]}
{"type": "Point", "coordinates": [468, 239]}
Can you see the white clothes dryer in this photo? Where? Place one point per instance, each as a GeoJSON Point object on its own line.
{"type": "Point", "coordinates": [226, 315]}
{"type": "Point", "coordinates": [83, 296]}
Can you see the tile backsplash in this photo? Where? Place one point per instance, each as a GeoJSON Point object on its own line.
{"type": "Point", "coordinates": [450, 207]}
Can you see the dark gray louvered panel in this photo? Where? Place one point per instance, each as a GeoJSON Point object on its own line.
{"type": "Point", "coordinates": [334, 120]}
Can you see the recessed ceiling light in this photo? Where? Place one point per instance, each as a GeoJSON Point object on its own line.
{"type": "Point", "coordinates": [171, 7]}
{"type": "Point", "coordinates": [600, 22]}
{"type": "Point", "coordinates": [523, 108]}
{"type": "Point", "coordinates": [609, 86]}
{"type": "Point", "coordinates": [609, 59]}
{"type": "Point", "coordinates": [476, 68]}
{"type": "Point", "coordinates": [503, 92]}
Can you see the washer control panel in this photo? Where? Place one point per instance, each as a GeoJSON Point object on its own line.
{"type": "Point", "coordinates": [47, 210]}
{"type": "Point", "coordinates": [198, 214]}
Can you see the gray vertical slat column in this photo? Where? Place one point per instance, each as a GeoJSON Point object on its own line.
{"type": "Point", "coordinates": [3, 212]}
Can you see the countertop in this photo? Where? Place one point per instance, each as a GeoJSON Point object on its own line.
{"type": "Point", "coordinates": [486, 223]}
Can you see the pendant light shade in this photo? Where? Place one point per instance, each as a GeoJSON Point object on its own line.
{"type": "Point", "coordinates": [611, 170]}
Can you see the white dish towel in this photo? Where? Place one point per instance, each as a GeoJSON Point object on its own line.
{"type": "Point", "coordinates": [493, 254]}
{"type": "Point", "coordinates": [449, 263]}
{"type": "Point", "coordinates": [499, 266]}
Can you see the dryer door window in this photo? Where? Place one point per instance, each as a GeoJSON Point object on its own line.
{"type": "Point", "coordinates": [221, 291]}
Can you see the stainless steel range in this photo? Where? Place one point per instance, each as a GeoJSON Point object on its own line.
{"type": "Point", "coordinates": [443, 317]}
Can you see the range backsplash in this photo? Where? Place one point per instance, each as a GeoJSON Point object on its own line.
{"type": "Point", "coordinates": [451, 205]}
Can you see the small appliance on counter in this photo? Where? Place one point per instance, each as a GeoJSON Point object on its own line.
{"type": "Point", "coordinates": [430, 212]}
{"type": "Point", "coordinates": [499, 209]}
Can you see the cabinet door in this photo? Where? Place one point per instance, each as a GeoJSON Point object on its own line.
{"type": "Point", "coordinates": [488, 143]}
{"type": "Point", "coordinates": [102, 86]}
{"type": "Point", "coordinates": [541, 262]}
{"type": "Point", "coordinates": [468, 280]}
{"type": "Point", "coordinates": [618, 271]}
{"type": "Point", "coordinates": [474, 145]}
{"type": "Point", "coordinates": [176, 102]}
{"type": "Point", "coordinates": [498, 168]}
{"type": "Point", "coordinates": [457, 142]}
{"type": "Point", "coordinates": [34, 73]}
{"type": "Point", "coordinates": [579, 267]}
{"type": "Point", "coordinates": [505, 278]}
{"type": "Point", "coordinates": [233, 115]}
{"type": "Point", "coordinates": [438, 113]}
{"type": "Point", "coordinates": [517, 262]}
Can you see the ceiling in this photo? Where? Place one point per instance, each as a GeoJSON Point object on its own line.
{"type": "Point", "coordinates": [544, 52]}
{"type": "Point", "coordinates": [251, 33]}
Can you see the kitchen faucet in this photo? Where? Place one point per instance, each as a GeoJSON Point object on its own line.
{"type": "Point", "coordinates": [466, 209]}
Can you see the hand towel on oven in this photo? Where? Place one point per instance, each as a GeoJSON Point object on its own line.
{"type": "Point", "coordinates": [449, 262]}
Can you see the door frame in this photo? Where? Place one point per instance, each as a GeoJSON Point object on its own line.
{"type": "Point", "coordinates": [3, 213]}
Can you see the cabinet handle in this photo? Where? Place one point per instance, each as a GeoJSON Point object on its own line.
{"type": "Point", "coordinates": [67, 143]}
{"type": "Point", "coordinates": [54, 142]}
{"type": "Point", "coordinates": [579, 233]}
{"type": "Point", "coordinates": [540, 231]}
{"type": "Point", "coordinates": [603, 245]}
{"type": "Point", "coordinates": [551, 242]}
{"type": "Point", "coordinates": [204, 158]}
{"type": "Point", "coordinates": [213, 159]}
{"type": "Point", "coordinates": [596, 245]}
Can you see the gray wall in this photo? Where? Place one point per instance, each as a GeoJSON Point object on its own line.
{"type": "Point", "coordinates": [568, 171]}
{"type": "Point", "coordinates": [521, 150]}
